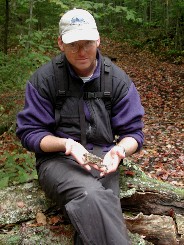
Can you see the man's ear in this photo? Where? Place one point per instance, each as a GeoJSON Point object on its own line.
{"type": "Point", "coordinates": [98, 42]}
{"type": "Point", "coordinates": [60, 44]}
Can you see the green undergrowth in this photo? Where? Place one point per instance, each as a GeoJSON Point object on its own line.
{"type": "Point", "coordinates": [16, 166]}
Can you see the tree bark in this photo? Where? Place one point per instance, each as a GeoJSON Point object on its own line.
{"type": "Point", "coordinates": [152, 209]}
{"type": "Point", "coordinates": [6, 27]}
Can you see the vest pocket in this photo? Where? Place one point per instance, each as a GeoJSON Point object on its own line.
{"type": "Point", "coordinates": [99, 127]}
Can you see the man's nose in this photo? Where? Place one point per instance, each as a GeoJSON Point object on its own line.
{"type": "Point", "coordinates": [81, 49]}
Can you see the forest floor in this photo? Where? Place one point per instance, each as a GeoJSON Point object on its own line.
{"type": "Point", "coordinates": [161, 87]}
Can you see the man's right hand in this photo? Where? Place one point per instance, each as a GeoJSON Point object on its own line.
{"type": "Point", "coordinates": [77, 150]}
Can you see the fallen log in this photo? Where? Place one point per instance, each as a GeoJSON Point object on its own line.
{"type": "Point", "coordinates": [155, 228]}
{"type": "Point", "coordinates": [153, 210]}
{"type": "Point", "coordinates": [159, 207]}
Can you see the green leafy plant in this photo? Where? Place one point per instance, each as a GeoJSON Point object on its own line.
{"type": "Point", "coordinates": [16, 167]}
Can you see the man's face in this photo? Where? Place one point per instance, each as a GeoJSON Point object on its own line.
{"type": "Point", "coordinates": [81, 55]}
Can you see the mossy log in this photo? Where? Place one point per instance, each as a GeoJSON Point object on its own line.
{"type": "Point", "coordinates": [159, 207]}
{"type": "Point", "coordinates": [153, 210]}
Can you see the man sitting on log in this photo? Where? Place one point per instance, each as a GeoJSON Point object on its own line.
{"type": "Point", "coordinates": [75, 105]}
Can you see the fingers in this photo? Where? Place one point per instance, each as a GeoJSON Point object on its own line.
{"type": "Point", "coordinates": [86, 166]}
{"type": "Point", "coordinates": [77, 151]}
{"type": "Point", "coordinates": [108, 170]}
{"type": "Point", "coordinates": [119, 150]}
{"type": "Point", "coordinates": [111, 161]}
{"type": "Point", "coordinates": [109, 164]}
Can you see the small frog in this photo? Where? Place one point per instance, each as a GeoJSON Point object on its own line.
{"type": "Point", "coordinates": [91, 158]}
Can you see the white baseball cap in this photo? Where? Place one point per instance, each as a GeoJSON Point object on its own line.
{"type": "Point", "coordinates": [78, 24]}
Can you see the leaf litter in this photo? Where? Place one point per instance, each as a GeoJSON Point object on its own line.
{"type": "Point", "coordinates": [160, 85]}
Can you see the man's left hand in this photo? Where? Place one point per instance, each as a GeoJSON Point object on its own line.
{"type": "Point", "coordinates": [112, 159]}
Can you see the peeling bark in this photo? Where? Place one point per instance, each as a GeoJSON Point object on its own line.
{"type": "Point", "coordinates": [155, 213]}
{"type": "Point", "coordinates": [153, 203]}
{"type": "Point", "coordinates": [160, 230]}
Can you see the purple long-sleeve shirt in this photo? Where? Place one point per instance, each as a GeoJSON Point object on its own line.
{"type": "Point", "coordinates": [37, 119]}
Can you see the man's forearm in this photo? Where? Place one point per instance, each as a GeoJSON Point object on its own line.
{"type": "Point", "coordinates": [129, 144]}
{"type": "Point", "coordinates": [52, 143]}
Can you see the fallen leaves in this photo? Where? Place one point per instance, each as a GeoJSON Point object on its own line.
{"type": "Point", "coordinates": [55, 220]}
{"type": "Point", "coordinates": [160, 85]}
{"type": "Point", "coordinates": [41, 218]}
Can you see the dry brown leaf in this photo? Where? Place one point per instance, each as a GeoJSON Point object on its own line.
{"type": "Point", "coordinates": [41, 218]}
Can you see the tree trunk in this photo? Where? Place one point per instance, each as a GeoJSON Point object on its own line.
{"type": "Point", "coordinates": [166, 17]}
{"type": "Point", "coordinates": [6, 28]}
{"type": "Point", "coordinates": [31, 4]}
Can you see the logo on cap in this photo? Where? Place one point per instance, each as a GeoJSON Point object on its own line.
{"type": "Point", "coordinates": [78, 21]}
